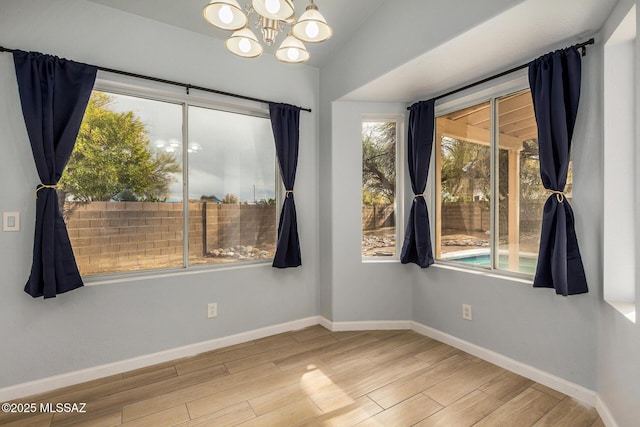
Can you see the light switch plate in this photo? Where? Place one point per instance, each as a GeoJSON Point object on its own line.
{"type": "Point", "coordinates": [11, 221]}
{"type": "Point", "coordinates": [212, 310]}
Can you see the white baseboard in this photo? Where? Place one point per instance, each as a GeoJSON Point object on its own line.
{"type": "Point", "coordinates": [374, 325]}
{"type": "Point", "coordinates": [89, 374]}
{"type": "Point", "coordinates": [605, 413]}
{"type": "Point", "coordinates": [326, 323]}
{"type": "Point", "coordinates": [576, 391]}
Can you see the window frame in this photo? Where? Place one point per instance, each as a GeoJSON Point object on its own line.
{"type": "Point", "coordinates": [128, 86]}
{"type": "Point", "coordinates": [488, 92]}
{"type": "Point", "coordinates": [399, 199]}
{"type": "Point", "coordinates": [619, 248]}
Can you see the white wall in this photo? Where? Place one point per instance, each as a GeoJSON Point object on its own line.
{"type": "Point", "coordinates": [360, 291]}
{"type": "Point", "coordinates": [618, 338]}
{"type": "Point", "coordinates": [106, 323]}
{"type": "Point", "coordinates": [619, 268]}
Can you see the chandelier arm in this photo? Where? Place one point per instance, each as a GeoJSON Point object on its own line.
{"type": "Point", "coordinates": [271, 19]}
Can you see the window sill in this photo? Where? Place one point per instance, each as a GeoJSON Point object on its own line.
{"type": "Point", "coordinates": [511, 277]}
{"type": "Point", "coordinates": [159, 274]}
{"type": "Point", "coordinates": [381, 260]}
{"type": "Point", "coordinates": [627, 309]}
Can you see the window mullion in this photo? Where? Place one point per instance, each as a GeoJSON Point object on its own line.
{"type": "Point", "coordinates": [495, 201]}
{"type": "Point", "coordinates": [185, 184]}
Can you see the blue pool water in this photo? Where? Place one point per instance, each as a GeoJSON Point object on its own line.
{"type": "Point", "coordinates": [527, 263]}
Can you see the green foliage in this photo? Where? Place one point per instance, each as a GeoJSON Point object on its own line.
{"type": "Point", "coordinates": [370, 198]}
{"type": "Point", "coordinates": [112, 159]}
{"type": "Point", "coordinates": [230, 199]}
{"type": "Point", "coordinates": [531, 187]}
{"type": "Point", "coordinates": [465, 168]}
{"type": "Point", "coordinates": [378, 163]}
{"type": "Point", "coordinates": [268, 202]}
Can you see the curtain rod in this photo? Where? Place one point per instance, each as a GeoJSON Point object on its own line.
{"type": "Point", "coordinates": [187, 86]}
{"type": "Point", "coordinates": [582, 46]}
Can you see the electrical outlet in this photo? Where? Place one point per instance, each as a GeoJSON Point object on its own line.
{"type": "Point", "coordinates": [212, 310]}
{"type": "Point", "coordinates": [466, 312]}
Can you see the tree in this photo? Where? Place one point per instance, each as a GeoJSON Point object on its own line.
{"type": "Point", "coordinates": [112, 159]}
{"type": "Point", "coordinates": [268, 202]}
{"type": "Point", "coordinates": [230, 199]}
{"type": "Point", "coordinates": [378, 163]}
{"type": "Point", "coordinates": [465, 168]}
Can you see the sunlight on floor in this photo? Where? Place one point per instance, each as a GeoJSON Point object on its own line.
{"type": "Point", "coordinates": [322, 390]}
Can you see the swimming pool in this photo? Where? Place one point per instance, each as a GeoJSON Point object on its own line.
{"type": "Point", "coordinates": [527, 262]}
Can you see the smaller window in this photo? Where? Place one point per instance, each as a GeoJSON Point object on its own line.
{"type": "Point", "coordinates": [379, 188]}
{"type": "Point", "coordinates": [490, 195]}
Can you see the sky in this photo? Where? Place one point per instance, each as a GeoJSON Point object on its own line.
{"type": "Point", "coordinates": [233, 152]}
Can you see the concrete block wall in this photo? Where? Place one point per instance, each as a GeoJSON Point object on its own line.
{"type": "Point", "coordinates": [110, 237]}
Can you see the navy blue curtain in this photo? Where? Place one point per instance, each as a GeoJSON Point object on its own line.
{"type": "Point", "coordinates": [555, 88]}
{"type": "Point", "coordinates": [285, 122]}
{"type": "Point", "coordinates": [417, 239]}
{"type": "Point", "coordinates": [54, 94]}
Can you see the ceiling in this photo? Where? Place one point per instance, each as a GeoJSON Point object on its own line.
{"type": "Point", "coordinates": [516, 36]}
{"type": "Point", "coordinates": [344, 16]}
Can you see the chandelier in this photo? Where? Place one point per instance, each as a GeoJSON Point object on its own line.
{"type": "Point", "coordinates": [271, 17]}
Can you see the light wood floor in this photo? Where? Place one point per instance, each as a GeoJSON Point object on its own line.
{"type": "Point", "coordinates": [315, 377]}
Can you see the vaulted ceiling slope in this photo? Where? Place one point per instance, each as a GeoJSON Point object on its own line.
{"type": "Point", "coordinates": [460, 42]}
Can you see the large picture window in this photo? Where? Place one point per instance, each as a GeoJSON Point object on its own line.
{"type": "Point", "coordinates": [489, 194]}
{"type": "Point", "coordinates": [124, 190]}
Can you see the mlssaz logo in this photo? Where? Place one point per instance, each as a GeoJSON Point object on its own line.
{"type": "Point", "coordinates": [63, 407]}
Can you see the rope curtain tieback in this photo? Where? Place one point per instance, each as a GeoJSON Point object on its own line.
{"type": "Point", "coordinates": [418, 195]}
{"type": "Point", "coordinates": [287, 192]}
{"type": "Point", "coordinates": [560, 196]}
{"type": "Point", "coordinates": [41, 186]}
